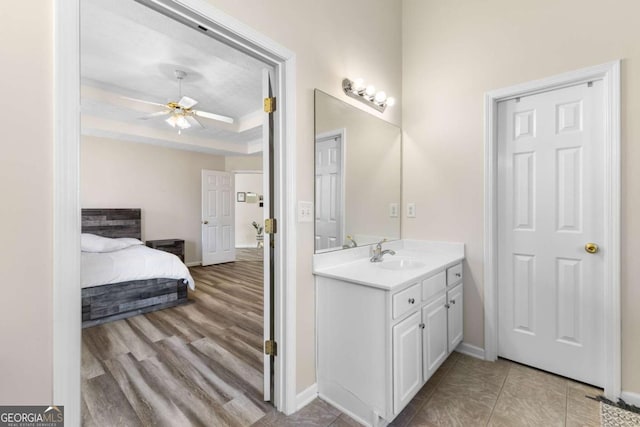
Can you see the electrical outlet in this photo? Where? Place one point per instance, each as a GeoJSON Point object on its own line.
{"type": "Point", "coordinates": [411, 210]}
{"type": "Point", "coordinates": [393, 210]}
{"type": "Point", "coordinates": [305, 211]}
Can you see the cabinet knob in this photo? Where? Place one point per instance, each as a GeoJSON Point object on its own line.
{"type": "Point", "coordinates": [458, 275]}
{"type": "Point", "coordinates": [446, 306]}
{"type": "Point", "coordinates": [421, 325]}
{"type": "Point", "coordinates": [412, 301]}
{"type": "Point", "coordinates": [452, 301]}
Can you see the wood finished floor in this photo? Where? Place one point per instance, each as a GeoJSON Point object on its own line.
{"type": "Point", "coordinates": [198, 364]}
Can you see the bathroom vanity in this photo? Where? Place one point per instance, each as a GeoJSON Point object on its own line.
{"type": "Point", "coordinates": [384, 328]}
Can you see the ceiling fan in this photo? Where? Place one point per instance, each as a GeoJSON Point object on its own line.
{"type": "Point", "coordinates": [181, 113]}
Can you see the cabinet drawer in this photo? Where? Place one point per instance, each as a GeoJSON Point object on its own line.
{"type": "Point", "coordinates": [433, 285]}
{"type": "Point", "coordinates": [406, 300]}
{"type": "Point", "coordinates": [454, 274]}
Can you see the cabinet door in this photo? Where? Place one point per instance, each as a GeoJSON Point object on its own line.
{"type": "Point", "coordinates": [407, 361]}
{"type": "Point", "coordinates": [434, 336]}
{"type": "Point", "coordinates": [454, 297]}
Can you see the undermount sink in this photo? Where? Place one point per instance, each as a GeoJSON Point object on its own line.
{"type": "Point", "coordinates": [401, 264]}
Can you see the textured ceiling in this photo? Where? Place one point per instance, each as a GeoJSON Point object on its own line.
{"type": "Point", "coordinates": [130, 50]}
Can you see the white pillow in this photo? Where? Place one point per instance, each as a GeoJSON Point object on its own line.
{"type": "Point", "coordinates": [93, 243]}
{"type": "Point", "coordinates": [129, 241]}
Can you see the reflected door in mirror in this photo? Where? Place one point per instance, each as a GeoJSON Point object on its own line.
{"type": "Point", "coordinates": [329, 190]}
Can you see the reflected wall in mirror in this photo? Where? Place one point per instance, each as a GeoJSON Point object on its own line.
{"type": "Point", "coordinates": [357, 176]}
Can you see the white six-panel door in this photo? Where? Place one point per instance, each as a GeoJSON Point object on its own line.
{"type": "Point", "coordinates": [550, 204]}
{"type": "Point", "coordinates": [329, 189]}
{"type": "Point", "coordinates": [218, 218]}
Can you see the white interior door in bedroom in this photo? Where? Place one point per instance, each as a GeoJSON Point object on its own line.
{"type": "Point", "coordinates": [218, 217]}
{"type": "Point", "coordinates": [550, 223]}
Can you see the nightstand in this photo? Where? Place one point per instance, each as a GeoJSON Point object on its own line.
{"type": "Point", "coordinates": [174, 246]}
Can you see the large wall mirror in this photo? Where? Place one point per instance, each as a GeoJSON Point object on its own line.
{"type": "Point", "coordinates": [357, 176]}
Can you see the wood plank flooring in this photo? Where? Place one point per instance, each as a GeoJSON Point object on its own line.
{"type": "Point", "coordinates": [193, 365]}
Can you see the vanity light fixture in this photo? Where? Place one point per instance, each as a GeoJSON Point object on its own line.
{"type": "Point", "coordinates": [376, 99]}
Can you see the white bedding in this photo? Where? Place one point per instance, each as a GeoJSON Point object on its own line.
{"type": "Point", "coordinates": [133, 263]}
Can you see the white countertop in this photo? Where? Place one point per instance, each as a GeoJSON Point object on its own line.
{"type": "Point", "coordinates": [353, 265]}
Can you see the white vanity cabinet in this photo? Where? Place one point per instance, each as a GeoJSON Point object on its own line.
{"type": "Point", "coordinates": [407, 360]}
{"type": "Point", "coordinates": [377, 347]}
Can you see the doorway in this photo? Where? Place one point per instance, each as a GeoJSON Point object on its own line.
{"type": "Point", "coordinates": [66, 217]}
{"type": "Point", "coordinates": [539, 201]}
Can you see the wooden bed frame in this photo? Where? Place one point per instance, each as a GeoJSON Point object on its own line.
{"type": "Point", "coordinates": [101, 304]}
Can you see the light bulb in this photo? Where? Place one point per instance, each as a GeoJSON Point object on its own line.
{"type": "Point", "coordinates": [172, 121]}
{"type": "Point", "coordinates": [358, 85]}
{"type": "Point", "coordinates": [380, 97]}
{"type": "Point", "coordinates": [182, 123]}
{"type": "Point", "coordinates": [370, 90]}
{"type": "Point", "coordinates": [391, 101]}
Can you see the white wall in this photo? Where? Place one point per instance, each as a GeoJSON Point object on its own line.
{"type": "Point", "coordinates": [456, 50]}
{"type": "Point", "coordinates": [243, 163]}
{"type": "Point", "coordinates": [26, 172]}
{"type": "Point", "coordinates": [165, 183]}
{"type": "Point", "coordinates": [246, 213]}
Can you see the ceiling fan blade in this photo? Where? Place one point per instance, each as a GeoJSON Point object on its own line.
{"type": "Point", "coordinates": [144, 102]}
{"type": "Point", "coordinates": [186, 102]}
{"type": "Point", "coordinates": [194, 122]}
{"type": "Point", "coordinates": [212, 116]}
{"type": "Point", "coordinates": [154, 115]}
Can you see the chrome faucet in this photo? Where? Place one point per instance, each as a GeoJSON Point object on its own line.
{"type": "Point", "coordinates": [351, 243]}
{"type": "Point", "coordinates": [378, 253]}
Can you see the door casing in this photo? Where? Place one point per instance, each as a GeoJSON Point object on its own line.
{"type": "Point", "coordinates": [610, 74]}
{"type": "Point", "coordinates": [66, 196]}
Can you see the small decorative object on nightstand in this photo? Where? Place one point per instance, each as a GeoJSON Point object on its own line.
{"type": "Point", "coordinates": [174, 246]}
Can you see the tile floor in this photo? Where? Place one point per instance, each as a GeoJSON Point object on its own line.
{"type": "Point", "coordinates": [470, 392]}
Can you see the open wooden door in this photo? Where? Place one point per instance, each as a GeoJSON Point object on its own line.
{"type": "Point", "coordinates": [270, 347]}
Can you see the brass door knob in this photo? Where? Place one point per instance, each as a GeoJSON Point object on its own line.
{"type": "Point", "coordinates": [591, 248]}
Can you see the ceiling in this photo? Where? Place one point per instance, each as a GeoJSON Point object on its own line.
{"type": "Point", "coordinates": [129, 50]}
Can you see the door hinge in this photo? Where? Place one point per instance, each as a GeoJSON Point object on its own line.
{"type": "Point", "coordinates": [269, 105]}
{"type": "Point", "coordinates": [270, 348]}
{"type": "Point", "coordinates": [270, 226]}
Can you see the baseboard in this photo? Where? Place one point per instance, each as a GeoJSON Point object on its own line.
{"type": "Point", "coordinates": [630, 398]}
{"type": "Point", "coordinates": [343, 410]}
{"type": "Point", "coordinates": [193, 263]}
{"type": "Point", "coordinates": [246, 246]}
{"type": "Point", "coordinates": [306, 396]}
{"type": "Point", "coordinates": [470, 350]}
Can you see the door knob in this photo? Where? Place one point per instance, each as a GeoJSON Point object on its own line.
{"type": "Point", "coordinates": [591, 248]}
{"type": "Point", "coordinates": [205, 222]}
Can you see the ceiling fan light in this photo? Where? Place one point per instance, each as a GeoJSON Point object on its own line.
{"type": "Point", "coordinates": [172, 120]}
{"type": "Point", "coordinates": [182, 123]}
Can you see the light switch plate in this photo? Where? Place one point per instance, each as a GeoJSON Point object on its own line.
{"type": "Point", "coordinates": [305, 211]}
{"type": "Point", "coordinates": [411, 210]}
{"type": "Point", "coordinates": [393, 210]}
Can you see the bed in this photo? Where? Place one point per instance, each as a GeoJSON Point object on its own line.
{"type": "Point", "coordinates": [129, 278]}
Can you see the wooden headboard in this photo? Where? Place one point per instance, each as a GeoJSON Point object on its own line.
{"type": "Point", "coordinates": [112, 222]}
